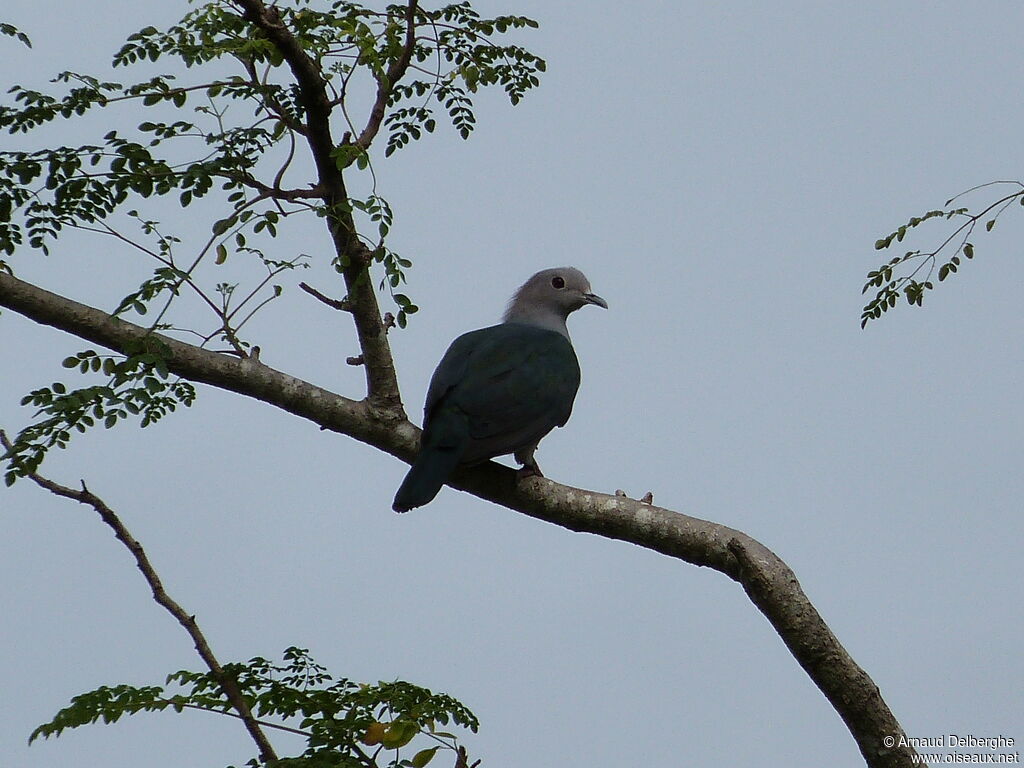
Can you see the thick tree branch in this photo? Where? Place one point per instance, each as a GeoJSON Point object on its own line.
{"type": "Point", "coordinates": [768, 581]}
{"type": "Point", "coordinates": [246, 376]}
{"type": "Point", "coordinates": [381, 382]}
{"type": "Point", "coordinates": [227, 683]}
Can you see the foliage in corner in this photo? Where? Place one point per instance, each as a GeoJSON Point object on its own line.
{"type": "Point", "coordinates": [239, 129]}
{"type": "Point", "coordinates": [12, 31]}
{"type": "Point", "coordinates": [345, 724]}
{"type": "Point", "coordinates": [134, 385]}
{"type": "Point", "coordinates": [911, 274]}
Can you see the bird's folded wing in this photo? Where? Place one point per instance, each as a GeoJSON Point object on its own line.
{"type": "Point", "coordinates": [514, 384]}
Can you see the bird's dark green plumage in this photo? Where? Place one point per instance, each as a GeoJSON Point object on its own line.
{"type": "Point", "coordinates": [499, 390]}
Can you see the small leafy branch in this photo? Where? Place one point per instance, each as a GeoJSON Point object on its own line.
{"type": "Point", "coordinates": [344, 723]}
{"type": "Point", "coordinates": [137, 385]}
{"type": "Point", "coordinates": [911, 274]}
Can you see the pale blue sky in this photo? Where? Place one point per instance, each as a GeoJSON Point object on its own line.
{"type": "Point", "coordinates": [720, 172]}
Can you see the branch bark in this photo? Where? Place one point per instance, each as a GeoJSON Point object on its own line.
{"type": "Point", "coordinates": [767, 580]}
{"type": "Point", "coordinates": [381, 382]}
{"type": "Point", "coordinates": [188, 621]}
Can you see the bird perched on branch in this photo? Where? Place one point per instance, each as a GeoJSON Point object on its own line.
{"type": "Point", "coordinates": [499, 390]}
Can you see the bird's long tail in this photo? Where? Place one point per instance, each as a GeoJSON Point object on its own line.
{"type": "Point", "coordinates": [426, 476]}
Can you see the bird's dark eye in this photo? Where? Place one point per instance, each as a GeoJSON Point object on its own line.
{"type": "Point", "coordinates": [558, 282]}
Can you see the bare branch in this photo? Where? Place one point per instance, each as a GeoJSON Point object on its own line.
{"type": "Point", "coordinates": [262, 723]}
{"type": "Point", "coordinates": [275, 192]}
{"type": "Point", "coordinates": [227, 683]}
{"type": "Point", "coordinates": [342, 305]}
{"type": "Point", "coordinates": [768, 581]}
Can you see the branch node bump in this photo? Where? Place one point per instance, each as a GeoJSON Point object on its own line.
{"type": "Point", "coordinates": [342, 305]}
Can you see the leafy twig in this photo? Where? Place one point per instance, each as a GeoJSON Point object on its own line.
{"type": "Point", "coordinates": [386, 84]}
{"type": "Point", "coordinates": [890, 283]}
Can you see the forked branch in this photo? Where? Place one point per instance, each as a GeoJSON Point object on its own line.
{"type": "Point", "coordinates": [386, 84]}
{"type": "Point", "coordinates": [355, 258]}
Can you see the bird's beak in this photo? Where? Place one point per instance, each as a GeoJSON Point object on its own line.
{"type": "Point", "coordinates": [593, 298]}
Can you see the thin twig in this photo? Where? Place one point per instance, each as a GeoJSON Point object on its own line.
{"type": "Point", "coordinates": [976, 187]}
{"type": "Point", "coordinates": [227, 683]}
{"type": "Point", "coordinates": [262, 723]}
{"type": "Point", "coordinates": [342, 305]}
{"type": "Point", "coordinates": [386, 84]}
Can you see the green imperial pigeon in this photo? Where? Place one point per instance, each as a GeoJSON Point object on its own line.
{"type": "Point", "coordinates": [501, 389]}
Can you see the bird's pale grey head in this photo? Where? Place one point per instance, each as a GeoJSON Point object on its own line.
{"type": "Point", "coordinates": [547, 298]}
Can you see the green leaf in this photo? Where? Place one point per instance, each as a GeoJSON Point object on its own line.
{"type": "Point", "coordinates": [11, 31]}
{"type": "Point", "coordinates": [222, 254]}
{"type": "Point", "coordinates": [399, 733]}
{"type": "Point", "coordinates": [223, 225]}
{"type": "Point", "coordinates": [424, 756]}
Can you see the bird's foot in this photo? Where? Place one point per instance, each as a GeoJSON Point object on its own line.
{"type": "Point", "coordinates": [528, 470]}
{"type": "Point", "coordinates": [530, 466]}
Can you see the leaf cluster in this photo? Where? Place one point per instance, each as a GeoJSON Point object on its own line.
{"type": "Point", "coordinates": [467, 59]}
{"type": "Point", "coordinates": [138, 385]}
{"type": "Point", "coordinates": [12, 31]}
{"type": "Point", "coordinates": [346, 724]}
{"type": "Point", "coordinates": [910, 275]}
